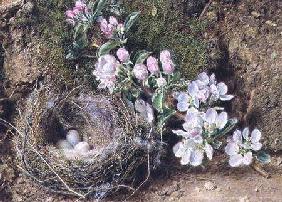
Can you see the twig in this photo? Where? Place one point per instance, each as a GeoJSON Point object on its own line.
{"type": "Point", "coordinates": [205, 9]}
{"type": "Point", "coordinates": [260, 170]}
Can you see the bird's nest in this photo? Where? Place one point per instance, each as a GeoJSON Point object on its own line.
{"type": "Point", "coordinates": [123, 147]}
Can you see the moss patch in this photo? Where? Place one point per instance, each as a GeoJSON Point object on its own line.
{"type": "Point", "coordinates": [163, 25]}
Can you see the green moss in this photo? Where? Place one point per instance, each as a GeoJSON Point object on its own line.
{"type": "Point", "coordinates": [52, 34]}
{"type": "Point", "coordinates": [163, 25]}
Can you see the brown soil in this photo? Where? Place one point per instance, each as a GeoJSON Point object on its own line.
{"type": "Point", "coordinates": [247, 36]}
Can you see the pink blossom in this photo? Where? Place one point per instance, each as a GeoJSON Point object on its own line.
{"type": "Point", "coordinates": [105, 71]}
{"type": "Point", "coordinates": [108, 28]}
{"type": "Point", "coordinates": [113, 21]}
{"type": "Point", "coordinates": [80, 5]}
{"type": "Point", "coordinates": [167, 63]}
{"type": "Point", "coordinates": [122, 54]}
{"type": "Point", "coordinates": [140, 71]}
{"type": "Point", "coordinates": [152, 64]}
{"type": "Point", "coordinates": [168, 68]}
{"type": "Point", "coordinates": [70, 14]}
{"type": "Point", "coordinates": [165, 56]}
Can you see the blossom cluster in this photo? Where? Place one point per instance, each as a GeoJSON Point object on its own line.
{"type": "Point", "coordinates": [204, 90]}
{"type": "Point", "coordinates": [198, 129]}
{"type": "Point", "coordinates": [78, 13]}
{"type": "Point", "coordinates": [142, 71]}
{"type": "Point", "coordinates": [148, 82]}
{"type": "Point", "coordinates": [109, 27]}
{"type": "Point", "coordinates": [241, 145]}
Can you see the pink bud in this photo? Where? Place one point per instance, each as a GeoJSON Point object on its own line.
{"type": "Point", "coordinates": [152, 64]}
{"type": "Point", "coordinates": [113, 21]}
{"type": "Point", "coordinates": [103, 25]}
{"type": "Point", "coordinates": [168, 68]}
{"type": "Point", "coordinates": [76, 11]}
{"type": "Point", "coordinates": [165, 56]}
{"type": "Point", "coordinates": [80, 5]}
{"type": "Point", "coordinates": [122, 54]}
{"type": "Point", "coordinates": [167, 64]}
{"type": "Point", "coordinates": [70, 14]}
{"type": "Point", "coordinates": [140, 71]}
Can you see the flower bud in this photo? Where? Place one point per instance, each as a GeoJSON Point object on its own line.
{"type": "Point", "coordinates": [168, 68]}
{"type": "Point", "coordinates": [167, 64]}
{"type": "Point", "coordinates": [70, 14]}
{"type": "Point", "coordinates": [161, 82]}
{"type": "Point", "coordinates": [113, 21]}
{"type": "Point", "coordinates": [140, 71]}
{"type": "Point", "coordinates": [165, 56]}
{"type": "Point", "coordinates": [80, 5]}
{"type": "Point", "coordinates": [122, 54]}
{"type": "Point", "coordinates": [152, 64]}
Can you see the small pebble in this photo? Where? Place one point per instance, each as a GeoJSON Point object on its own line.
{"type": "Point", "coordinates": [82, 147]}
{"type": "Point", "coordinates": [63, 144]}
{"type": "Point", "coordinates": [209, 186]}
{"type": "Point", "coordinates": [73, 137]}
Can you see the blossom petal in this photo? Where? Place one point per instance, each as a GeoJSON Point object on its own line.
{"type": "Point", "coordinates": [185, 160]}
{"type": "Point", "coordinates": [212, 79]}
{"type": "Point", "coordinates": [222, 88]}
{"type": "Point", "coordinates": [178, 149]}
{"type": "Point", "coordinates": [255, 136]}
{"type": "Point", "coordinates": [246, 133]}
{"type": "Point", "coordinates": [181, 133]}
{"type": "Point", "coordinates": [209, 151]}
{"type": "Point", "coordinates": [183, 97]}
{"type": "Point", "coordinates": [182, 106]}
{"type": "Point", "coordinates": [256, 146]}
{"type": "Point", "coordinates": [226, 97]}
{"type": "Point", "coordinates": [232, 149]}
{"type": "Point", "coordinates": [196, 102]}
{"type": "Point", "coordinates": [193, 89]}
{"type": "Point", "coordinates": [198, 139]}
{"type": "Point", "coordinates": [236, 160]}
{"type": "Point", "coordinates": [221, 120]}
{"type": "Point", "coordinates": [248, 157]}
{"type": "Point", "coordinates": [237, 136]}
{"type": "Point", "coordinates": [210, 116]}
{"type": "Point", "coordinates": [203, 77]}
{"type": "Point", "coordinates": [196, 157]}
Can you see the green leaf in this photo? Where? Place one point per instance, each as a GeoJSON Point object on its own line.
{"type": "Point", "coordinates": [107, 47]}
{"type": "Point", "coordinates": [263, 157]}
{"type": "Point", "coordinates": [130, 20]}
{"type": "Point", "coordinates": [158, 100]}
{"type": "Point", "coordinates": [229, 126]}
{"type": "Point", "coordinates": [216, 144]}
{"type": "Point", "coordinates": [97, 7]}
{"type": "Point", "coordinates": [141, 56]}
{"type": "Point", "coordinates": [164, 117]}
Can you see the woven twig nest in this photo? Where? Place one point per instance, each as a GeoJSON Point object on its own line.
{"type": "Point", "coordinates": [120, 143]}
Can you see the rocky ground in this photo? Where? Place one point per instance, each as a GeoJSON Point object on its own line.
{"type": "Point", "coordinates": [245, 45]}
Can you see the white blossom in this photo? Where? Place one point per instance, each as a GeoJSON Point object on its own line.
{"type": "Point", "coordinates": [215, 120]}
{"type": "Point", "coordinates": [192, 150]}
{"type": "Point", "coordinates": [219, 92]}
{"type": "Point", "coordinates": [241, 145]}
